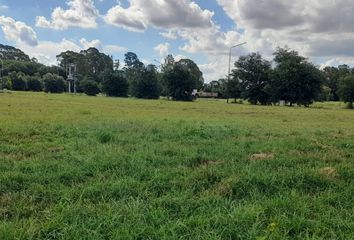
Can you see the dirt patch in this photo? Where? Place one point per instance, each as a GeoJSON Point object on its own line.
{"type": "Point", "coordinates": [55, 149]}
{"type": "Point", "coordinates": [210, 163]}
{"type": "Point", "coordinates": [261, 156]}
{"type": "Point", "coordinates": [329, 172]}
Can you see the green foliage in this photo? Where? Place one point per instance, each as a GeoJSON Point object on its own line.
{"type": "Point", "coordinates": [18, 82]}
{"type": "Point", "coordinates": [89, 87]}
{"type": "Point", "coordinates": [179, 83]}
{"type": "Point", "coordinates": [346, 90]}
{"type": "Point", "coordinates": [253, 73]}
{"type": "Point", "coordinates": [34, 83]}
{"type": "Point", "coordinates": [232, 88]}
{"type": "Point", "coordinates": [11, 53]}
{"type": "Point", "coordinates": [179, 79]}
{"type": "Point", "coordinates": [53, 83]}
{"type": "Point", "coordinates": [90, 63]}
{"type": "Point", "coordinates": [294, 79]}
{"type": "Point", "coordinates": [146, 85]}
{"type": "Point", "coordinates": [115, 85]}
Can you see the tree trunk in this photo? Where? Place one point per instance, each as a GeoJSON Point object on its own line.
{"type": "Point", "coordinates": [227, 100]}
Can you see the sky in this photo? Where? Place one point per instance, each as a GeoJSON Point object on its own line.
{"type": "Point", "coordinates": [202, 30]}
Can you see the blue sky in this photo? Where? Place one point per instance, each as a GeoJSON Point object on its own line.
{"type": "Point", "coordinates": [202, 30]}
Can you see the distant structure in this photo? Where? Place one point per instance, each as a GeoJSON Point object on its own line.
{"type": "Point", "coordinates": [71, 73]}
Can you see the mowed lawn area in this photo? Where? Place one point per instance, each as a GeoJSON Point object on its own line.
{"type": "Point", "coordinates": [77, 167]}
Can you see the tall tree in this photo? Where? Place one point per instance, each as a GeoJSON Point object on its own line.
{"type": "Point", "coordinates": [253, 72]}
{"type": "Point", "coordinates": [346, 90]}
{"type": "Point", "coordinates": [115, 85]}
{"type": "Point", "coordinates": [180, 82]}
{"type": "Point", "coordinates": [147, 85]}
{"type": "Point", "coordinates": [294, 79]}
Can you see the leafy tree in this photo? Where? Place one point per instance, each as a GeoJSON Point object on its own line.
{"type": "Point", "coordinates": [90, 63]}
{"type": "Point", "coordinates": [53, 83]}
{"type": "Point", "coordinates": [147, 85]}
{"type": "Point", "coordinates": [34, 83]}
{"type": "Point", "coordinates": [346, 90]}
{"type": "Point", "coordinates": [179, 83]}
{"type": "Point", "coordinates": [232, 88]}
{"type": "Point", "coordinates": [133, 70]}
{"type": "Point", "coordinates": [294, 79]}
{"type": "Point", "coordinates": [193, 69]}
{"type": "Point", "coordinates": [253, 72]}
{"type": "Point", "coordinates": [18, 82]}
{"type": "Point", "coordinates": [90, 87]}
{"type": "Point", "coordinates": [115, 85]}
{"type": "Point", "coordinates": [11, 53]}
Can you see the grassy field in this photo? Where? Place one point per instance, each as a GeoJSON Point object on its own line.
{"type": "Point", "coordinates": [77, 167]}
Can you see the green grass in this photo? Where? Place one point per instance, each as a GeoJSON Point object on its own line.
{"type": "Point", "coordinates": [76, 167]}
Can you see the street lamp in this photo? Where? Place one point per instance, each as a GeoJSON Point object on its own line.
{"type": "Point", "coordinates": [238, 45]}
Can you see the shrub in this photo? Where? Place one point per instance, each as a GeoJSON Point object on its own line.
{"type": "Point", "coordinates": [90, 87]}
{"type": "Point", "coordinates": [115, 85]}
{"type": "Point", "coordinates": [53, 83]}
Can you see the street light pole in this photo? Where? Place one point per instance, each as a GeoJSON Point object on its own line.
{"type": "Point", "coordinates": [238, 45]}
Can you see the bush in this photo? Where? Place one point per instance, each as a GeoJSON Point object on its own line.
{"type": "Point", "coordinates": [146, 85]}
{"type": "Point", "coordinates": [90, 87]}
{"type": "Point", "coordinates": [18, 82]}
{"type": "Point", "coordinates": [346, 90]}
{"type": "Point", "coordinates": [53, 83]}
{"type": "Point", "coordinates": [115, 85]}
{"type": "Point", "coordinates": [34, 84]}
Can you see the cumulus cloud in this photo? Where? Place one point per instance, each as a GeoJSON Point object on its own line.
{"type": "Point", "coordinates": [46, 51]}
{"type": "Point", "coordinates": [163, 49]}
{"type": "Point", "coordinates": [159, 13]}
{"type": "Point", "coordinates": [81, 13]}
{"type": "Point", "coordinates": [315, 28]}
{"type": "Point", "coordinates": [18, 31]}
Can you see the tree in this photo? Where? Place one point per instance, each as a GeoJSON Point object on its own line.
{"type": "Point", "coordinates": [18, 82]}
{"type": "Point", "coordinates": [146, 85]}
{"type": "Point", "coordinates": [179, 83]}
{"type": "Point", "coordinates": [232, 88]}
{"type": "Point", "coordinates": [115, 85]}
{"type": "Point", "coordinates": [294, 79]}
{"type": "Point", "coordinates": [90, 87]}
{"type": "Point", "coordinates": [53, 83]}
{"type": "Point", "coordinates": [346, 90]}
{"type": "Point", "coordinates": [11, 53]}
{"type": "Point", "coordinates": [133, 70]}
{"type": "Point", "coordinates": [34, 83]}
{"type": "Point", "coordinates": [253, 72]}
{"type": "Point", "coordinates": [193, 69]}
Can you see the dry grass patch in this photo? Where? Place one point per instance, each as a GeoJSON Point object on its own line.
{"type": "Point", "coordinates": [329, 172]}
{"type": "Point", "coordinates": [261, 156]}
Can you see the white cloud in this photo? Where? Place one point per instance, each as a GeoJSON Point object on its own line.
{"type": "Point", "coordinates": [81, 13]}
{"type": "Point", "coordinates": [110, 49]}
{"type": "Point", "coordinates": [159, 13]}
{"type": "Point", "coordinates": [46, 51]}
{"type": "Point", "coordinates": [88, 44]}
{"type": "Point", "coordinates": [3, 7]}
{"type": "Point", "coordinates": [162, 49]}
{"type": "Point", "coordinates": [171, 34]}
{"type": "Point", "coordinates": [18, 31]}
{"type": "Point", "coordinates": [314, 28]}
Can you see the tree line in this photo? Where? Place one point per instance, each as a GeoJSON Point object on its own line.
{"type": "Point", "coordinates": [99, 73]}
{"type": "Point", "coordinates": [289, 77]}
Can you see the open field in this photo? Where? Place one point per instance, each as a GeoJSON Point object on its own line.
{"type": "Point", "coordinates": [76, 167]}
